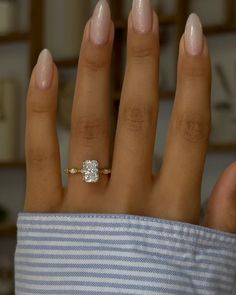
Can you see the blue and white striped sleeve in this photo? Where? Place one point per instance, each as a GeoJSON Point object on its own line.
{"type": "Point", "coordinates": [106, 254]}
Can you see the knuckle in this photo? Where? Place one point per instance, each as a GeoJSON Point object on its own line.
{"type": "Point", "coordinates": [196, 72]}
{"type": "Point", "coordinates": [41, 104]}
{"type": "Point", "coordinates": [142, 52]}
{"type": "Point", "coordinates": [39, 108]}
{"type": "Point", "coordinates": [38, 157]}
{"type": "Point", "coordinates": [90, 129]}
{"type": "Point", "coordinates": [138, 118]}
{"type": "Point", "coordinates": [192, 128]}
{"type": "Point", "coordinates": [94, 62]}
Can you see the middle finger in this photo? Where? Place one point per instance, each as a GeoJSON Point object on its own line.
{"type": "Point", "coordinates": [136, 127]}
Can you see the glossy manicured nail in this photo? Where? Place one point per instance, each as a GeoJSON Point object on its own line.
{"type": "Point", "coordinates": [142, 15]}
{"type": "Point", "coordinates": [193, 35]}
{"type": "Point", "coordinates": [100, 23]}
{"type": "Point", "coordinates": [44, 69]}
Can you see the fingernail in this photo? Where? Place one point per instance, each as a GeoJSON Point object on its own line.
{"type": "Point", "coordinates": [193, 35]}
{"type": "Point", "coordinates": [44, 69]}
{"type": "Point", "coordinates": [100, 23]}
{"type": "Point", "coordinates": [142, 15]}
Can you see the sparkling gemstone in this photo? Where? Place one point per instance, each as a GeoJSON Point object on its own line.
{"type": "Point", "coordinates": [73, 171]}
{"type": "Point", "coordinates": [91, 171]}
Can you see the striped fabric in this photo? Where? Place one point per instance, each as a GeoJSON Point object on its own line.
{"type": "Point", "coordinates": [91, 253]}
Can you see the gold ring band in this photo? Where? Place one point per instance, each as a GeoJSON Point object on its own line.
{"type": "Point", "coordinates": [90, 171]}
{"type": "Point", "coordinates": [76, 171]}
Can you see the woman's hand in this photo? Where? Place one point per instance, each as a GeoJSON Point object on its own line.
{"type": "Point", "coordinates": [131, 188]}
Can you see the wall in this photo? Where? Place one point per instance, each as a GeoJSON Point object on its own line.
{"type": "Point", "coordinates": [14, 63]}
{"type": "Point", "coordinates": [14, 57]}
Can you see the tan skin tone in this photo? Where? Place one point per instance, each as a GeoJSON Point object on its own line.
{"type": "Point", "coordinates": [175, 192]}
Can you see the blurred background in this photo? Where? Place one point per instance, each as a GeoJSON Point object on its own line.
{"type": "Point", "coordinates": [27, 26]}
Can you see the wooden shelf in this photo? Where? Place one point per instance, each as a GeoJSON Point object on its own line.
{"type": "Point", "coordinates": [119, 24]}
{"type": "Point", "coordinates": [219, 29]}
{"type": "Point", "coordinates": [222, 147]}
{"type": "Point", "coordinates": [12, 164]}
{"type": "Point", "coordinates": [15, 37]}
{"type": "Point", "coordinates": [7, 229]}
{"type": "Point", "coordinates": [163, 19]}
{"type": "Point", "coordinates": [67, 63]}
{"type": "Point", "coordinates": [167, 19]}
{"type": "Point", "coordinates": [167, 94]}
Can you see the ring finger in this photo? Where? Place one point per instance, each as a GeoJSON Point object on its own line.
{"type": "Point", "coordinates": [90, 128]}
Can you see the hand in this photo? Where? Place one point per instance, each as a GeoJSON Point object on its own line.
{"type": "Point", "coordinates": [175, 192]}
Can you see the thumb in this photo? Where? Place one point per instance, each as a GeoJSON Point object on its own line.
{"type": "Point", "coordinates": [221, 209]}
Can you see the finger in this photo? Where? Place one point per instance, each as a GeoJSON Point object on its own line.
{"type": "Point", "coordinates": [221, 210]}
{"type": "Point", "coordinates": [44, 186]}
{"type": "Point", "coordinates": [90, 125]}
{"type": "Point", "coordinates": [179, 186]}
{"type": "Point", "coordinates": [136, 127]}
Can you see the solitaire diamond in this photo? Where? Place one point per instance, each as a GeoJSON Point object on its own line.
{"type": "Point", "coordinates": [90, 171]}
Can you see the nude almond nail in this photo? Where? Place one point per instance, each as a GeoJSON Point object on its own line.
{"type": "Point", "coordinates": [142, 15]}
{"type": "Point", "coordinates": [44, 69]}
{"type": "Point", "coordinates": [100, 23]}
{"type": "Point", "coordinates": [193, 35]}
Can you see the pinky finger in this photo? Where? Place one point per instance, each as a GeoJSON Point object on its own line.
{"type": "Point", "coordinates": [44, 185]}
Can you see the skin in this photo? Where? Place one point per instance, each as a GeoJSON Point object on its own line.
{"type": "Point", "coordinates": [175, 192]}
